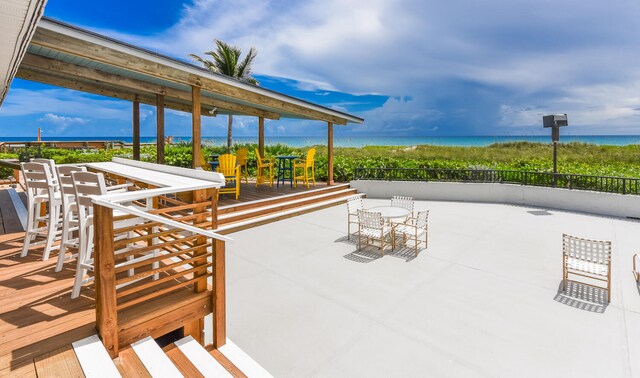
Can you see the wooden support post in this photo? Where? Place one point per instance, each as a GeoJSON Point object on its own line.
{"type": "Point", "coordinates": [195, 328]}
{"type": "Point", "coordinates": [105, 279]}
{"type": "Point", "coordinates": [219, 295]}
{"type": "Point", "coordinates": [214, 209]}
{"type": "Point", "coordinates": [136, 129]}
{"type": "Point", "coordinates": [160, 128]}
{"type": "Point", "coordinates": [330, 153]}
{"type": "Point", "coordinates": [261, 135]}
{"type": "Point", "coordinates": [196, 128]}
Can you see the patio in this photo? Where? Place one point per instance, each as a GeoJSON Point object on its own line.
{"type": "Point", "coordinates": [484, 300]}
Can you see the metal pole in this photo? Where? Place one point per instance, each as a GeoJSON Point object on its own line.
{"type": "Point", "coordinates": [555, 163]}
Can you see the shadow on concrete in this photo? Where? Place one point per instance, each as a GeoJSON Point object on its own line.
{"type": "Point", "coordinates": [583, 297]}
{"type": "Point", "coordinates": [346, 240]}
{"type": "Point", "coordinates": [365, 255]}
{"type": "Point", "coordinates": [539, 212]}
{"type": "Point", "coordinates": [405, 253]}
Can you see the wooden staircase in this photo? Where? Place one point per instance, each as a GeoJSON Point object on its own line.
{"type": "Point", "coordinates": [184, 358]}
{"type": "Point", "coordinates": [237, 217]}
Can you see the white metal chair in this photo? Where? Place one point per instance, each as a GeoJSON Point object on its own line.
{"type": "Point", "coordinates": [413, 229]}
{"type": "Point", "coordinates": [353, 205]}
{"type": "Point", "coordinates": [69, 212]}
{"type": "Point", "coordinates": [86, 185]}
{"type": "Point", "coordinates": [373, 228]}
{"type": "Point", "coordinates": [42, 189]}
{"type": "Point", "coordinates": [586, 258]}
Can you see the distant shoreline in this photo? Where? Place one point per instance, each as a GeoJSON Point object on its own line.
{"type": "Point", "coordinates": [344, 141]}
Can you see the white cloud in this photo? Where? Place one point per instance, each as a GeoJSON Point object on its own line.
{"type": "Point", "coordinates": [21, 102]}
{"type": "Point", "coordinates": [414, 48]}
{"type": "Point", "coordinates": [61, 122]}
{"type": "Point", "coordinates": [490, 66]}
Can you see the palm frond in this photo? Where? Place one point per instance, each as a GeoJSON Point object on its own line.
{"type": "Point", "coordinates": [225, 60]}
{"type": "Point", "coordinates": [244, 68]}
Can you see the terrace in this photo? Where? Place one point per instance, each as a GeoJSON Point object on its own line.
{"type": "Point", "coordinates": [485, 298]}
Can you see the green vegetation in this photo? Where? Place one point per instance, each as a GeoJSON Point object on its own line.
{"type": "Point", "coordinates": [576, 158]}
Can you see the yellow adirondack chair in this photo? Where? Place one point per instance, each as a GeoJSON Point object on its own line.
{"type": "Point", "coordinates": [263, 165]}
{"type": "Point", "coordinates": [204, 164]}
{"type": "Point", "coordinates": [231, 173]}
{"type": "Point", "coordinates": [305, 164]}
{"type": "Point", "coordinates": [241, 159]}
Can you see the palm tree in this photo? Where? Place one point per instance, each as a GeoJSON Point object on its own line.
{"type": "Point", "coordinates": [226, 61]}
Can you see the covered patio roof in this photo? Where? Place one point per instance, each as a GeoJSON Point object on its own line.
{"type": "Point", "coordinates": [18, 20]}
{"type": "Point", "coordinates": [64, 55]}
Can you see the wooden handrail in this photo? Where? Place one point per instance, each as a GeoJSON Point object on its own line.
{"type": "Point", "coordinates": [194, 257]}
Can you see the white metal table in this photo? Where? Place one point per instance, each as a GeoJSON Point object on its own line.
{"type": "Point", "coordinates": [391, 212]}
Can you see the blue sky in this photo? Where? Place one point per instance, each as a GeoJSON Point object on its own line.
{"type": "Point", "coordinates": [409, 67]}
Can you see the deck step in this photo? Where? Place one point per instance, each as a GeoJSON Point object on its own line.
{"type": "Point", "coordinates": [201, 359]}
{"type": "Point", "coordinates": [61, 362]}
{"type": "Point", "coordinates": [269, 201]}
{"type": "Point", "coordinates": [242, 361]}
{"type": "Point", "coordinates": [157, 363]}
{"type": "Point", "coordinates": [275, 216]}
{"type": "Point", "coordinates": [130, 365]}
{"type": "Point", "coordinates": [94, 358]}
{"type": "Point", "coordinates": [181, 361]}
{"type": "Point", "coordinates": [282, 205]}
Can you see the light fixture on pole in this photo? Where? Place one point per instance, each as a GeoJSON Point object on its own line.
{"type": "Point", "coordinates": [555, 121]}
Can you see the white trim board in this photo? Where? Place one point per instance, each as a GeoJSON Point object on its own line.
{"type": "Point", "coordinates": [94, 358]}
{"type": "Point", "coordinates": [157, 363]}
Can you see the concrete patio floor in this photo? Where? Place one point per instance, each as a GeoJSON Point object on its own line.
{"type": "Point", "coordinates": [483, 300]}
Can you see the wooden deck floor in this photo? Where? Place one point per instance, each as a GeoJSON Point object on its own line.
{"type": "Point", "coordinates": [37, 314]}
{"type": "Point", "coordinates": [249, 192]}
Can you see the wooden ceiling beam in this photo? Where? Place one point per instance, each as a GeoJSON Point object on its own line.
{"type": "Point", "coordinates": [99, 53]}
{"type": "Point", "coordinates": [100, 89]}
{"type": "Point", "coordinates": [36, 62]}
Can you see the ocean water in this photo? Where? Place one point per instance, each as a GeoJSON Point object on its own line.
{"type": "Point", "coordinates": [360, 141]}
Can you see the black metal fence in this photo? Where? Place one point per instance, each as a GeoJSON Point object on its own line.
{"type": "Point", "coordinates": [620, 185]}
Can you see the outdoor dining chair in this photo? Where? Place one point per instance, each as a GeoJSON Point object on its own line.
{"type": "Point", "coordinates": [586, 258]}
{"type": "Point", "coordinates": [264, 170]}
{"type": "Point", "coordinates": [241, 160]}
{"type": "Point", "coordinates": [353, 205]}
{"type": "Point", "coordinates": [413, 229]}
{"type": "Point", "coordinates": [403, 202]}
{"type": "Point", "coordinates": [308, 169]}
{"type": "Point", "coordinates": [231, 173]}
{"type": "Point", "coordinates": [42, 190]}
{"type": "Point", "coordinates": [203, 164]}
{"type": "Point", "coordinates": [86, 185]}
{"type": "Point", "coordinates": [373, 229]}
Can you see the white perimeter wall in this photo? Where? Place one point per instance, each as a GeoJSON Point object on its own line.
{"type": "Point", "coordinates": [564, 199]}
